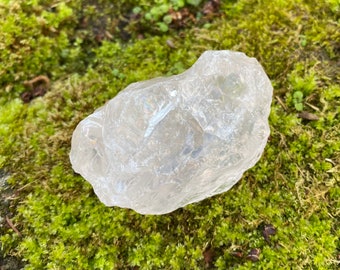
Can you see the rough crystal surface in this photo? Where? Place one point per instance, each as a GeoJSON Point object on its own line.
{"type": "Point", "coordinates": [167, 142]}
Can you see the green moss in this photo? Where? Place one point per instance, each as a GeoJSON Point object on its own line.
{"type": "Point", "coordinates": [294, 187]}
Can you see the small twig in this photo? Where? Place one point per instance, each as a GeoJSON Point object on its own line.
{"type": "Point", "coordinates": [298, 32]}
{"type": "Point", "coordinates": [330, 161]}
{"type": "Point", "coordinates": [10, 223]}
{"type": "Point", "coordinates": [25, 186]}
{"type": "Point", "coordinates": [312, 106]}
{"type": "Point", "coordinates": [281, 103]}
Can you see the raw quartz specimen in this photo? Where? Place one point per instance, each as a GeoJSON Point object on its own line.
{"type": "Point", "coordinates": [167, 142]}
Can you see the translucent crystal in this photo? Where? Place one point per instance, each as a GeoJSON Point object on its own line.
{"type": "Point", "coordinates": [167, 142]}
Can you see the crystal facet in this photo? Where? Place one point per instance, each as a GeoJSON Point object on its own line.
{"type": "Point", "coordinates": [167, 142]}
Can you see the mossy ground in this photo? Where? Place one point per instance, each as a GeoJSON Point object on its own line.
{"type": "Point", "coordinates": [50, 217]}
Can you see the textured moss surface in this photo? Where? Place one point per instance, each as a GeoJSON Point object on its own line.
{"type": "Point", "coordinates": [283, 214]}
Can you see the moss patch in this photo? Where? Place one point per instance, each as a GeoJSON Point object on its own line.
{"type": "Point", "coordinates": [294, 188]}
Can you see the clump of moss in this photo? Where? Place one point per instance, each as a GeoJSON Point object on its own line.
{"type": "Point", "coordinates": [55, 39]}
{"type": "Point", "coordinates": [294, 188]}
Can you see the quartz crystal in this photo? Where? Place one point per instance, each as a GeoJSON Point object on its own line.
{"type": "Point", "coordinates": [167, 142]}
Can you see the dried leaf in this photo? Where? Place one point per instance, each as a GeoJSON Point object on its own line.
{"type": "Point", "coordinates": [308, 116]}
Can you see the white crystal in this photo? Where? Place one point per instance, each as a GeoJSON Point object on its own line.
{"type": "Point", "coordinates": [167, 142]}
